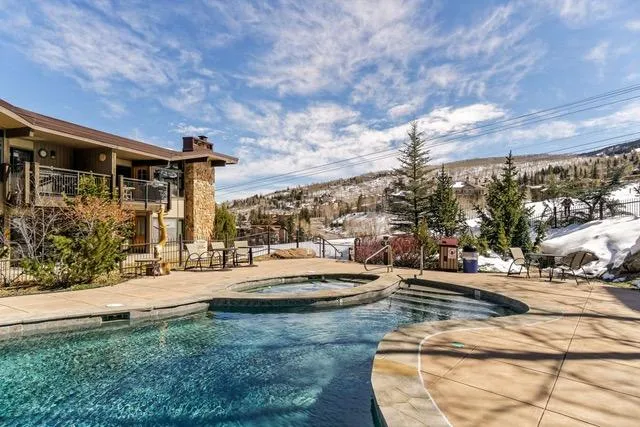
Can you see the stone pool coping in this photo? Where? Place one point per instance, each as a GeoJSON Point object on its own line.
{"type": "Point", "coordinates": [181, 294]}
{"type": "Point", "coordinates": [561, 362]}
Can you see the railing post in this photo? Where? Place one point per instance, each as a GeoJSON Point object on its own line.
{"type": "Point", "coordinates": [268, 240]}
{"type": "Point", "coordinates": [36, 180]}
{"type": "Point", "coordinates": [601, 210]}
{"type": "Point", "coordinates": [297, 237]}
{"type": "Point", "coordinates": [555, 217]}
{"type": "Point", "coordinates": [77, 182]}
{"type": "Point", "coordinates": [180, 245]}
{"type": "Point", "coordinates": [146, 195]}
{"type": "Point", "coordinates": [121, 188]}
{"type": "Point", "coordinates": [421, 259]}
{"type": "Point", "coordinates": [27, 183]}
{"type": "Point", "coordinates": [168, 196]}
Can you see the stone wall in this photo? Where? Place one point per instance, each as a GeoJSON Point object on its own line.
{"type": "Point", "coordinates": [199, 202]}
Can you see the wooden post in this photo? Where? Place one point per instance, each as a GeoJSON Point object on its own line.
{"type": "Point", "coordinates": [36, 181]}
{"type": "Point", "coordinates": [601, 210]}
{"type": "Point", "coordinates": [121, 188]}
{"type": "Point", "coordinates": [168, 196]}
{"type": "Point", "coordinates": [27, 183]}
{"type": "Point", "coordinates": [268, 239]}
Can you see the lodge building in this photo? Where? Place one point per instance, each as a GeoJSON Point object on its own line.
{"type": "Point", "coordinates": [43, 159]}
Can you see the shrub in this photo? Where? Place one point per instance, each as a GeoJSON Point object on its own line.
{"type": "Point", "coordinates": [406, 251]}
{"type": "Point", "coordinates": [88, 246]}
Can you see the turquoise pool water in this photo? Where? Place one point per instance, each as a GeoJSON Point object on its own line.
{"type": "Point", "coordinates": [308, 368]}
{"type": "Point", "coordinates": [308, 286]}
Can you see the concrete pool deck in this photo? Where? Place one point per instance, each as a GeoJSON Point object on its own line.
{"type": "Point", "coordinates": [572, 359]}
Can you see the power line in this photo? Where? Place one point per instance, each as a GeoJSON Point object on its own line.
{"type": "Point", "coordinates": [547, 152]}
{"type": "Point", "coordinates": [536, 117]}
{"type": "Point", "coordinates": [258, 184]}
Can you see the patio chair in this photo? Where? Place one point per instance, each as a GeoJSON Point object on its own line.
{"type": "Point", "coordinates": [242, 252]}
{"type": "Point", "coordinates": [215, 259]}
{"type": "Point", "coordinates": [196, 252]}
{"type": "Point", "coordinates": [519, 260]}
{"type": "Point", "coordinates": [574, 262]}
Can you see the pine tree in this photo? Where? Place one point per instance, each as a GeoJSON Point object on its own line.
{"type": "Point", "coordinates": [505, 222]}
{"type": "Point", "coordinates": [409, 203]}
{"type": "Point", "coordinates": [444, 216]}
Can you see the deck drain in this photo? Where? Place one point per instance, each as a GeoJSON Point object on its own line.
{"type": "Point", "coordinates": [112, 317]}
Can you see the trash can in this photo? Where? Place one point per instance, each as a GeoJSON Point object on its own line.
{"type": "Point", "coordinates": [448, 254]}
{"type": "Point", "coordinates": [469, 259]}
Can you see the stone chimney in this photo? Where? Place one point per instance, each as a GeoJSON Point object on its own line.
{"type": "Point", "coordinates": [199, 143]}
{"type": "Point", "coordinates": [199, 201]}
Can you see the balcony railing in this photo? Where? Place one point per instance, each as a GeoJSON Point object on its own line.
{"type": "Point", "coordinates": [33, 181]}
{"type": "Point", "coordinates": [136, 190]}
{"type": "Point", "coordinates": [57, 181]}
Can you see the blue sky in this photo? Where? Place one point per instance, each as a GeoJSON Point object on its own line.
{"type": "Point", "coordinates": [288, 85]}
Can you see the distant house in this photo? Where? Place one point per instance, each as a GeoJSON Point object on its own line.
{"type": "Point", "coordinates": [469, 195]}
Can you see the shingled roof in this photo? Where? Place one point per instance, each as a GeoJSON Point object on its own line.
{"type": "Point", "coordinates": [44, 123]}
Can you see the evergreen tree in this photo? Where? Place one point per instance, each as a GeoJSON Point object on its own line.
{"type": "Point", "coordinates": [409, 203]}
{"type": "Point", "coordinates": [505, 222]}
{"type": "Point", "coordinates": [224, 224]}
{"type": "Point", "coordinates": [444, 216]}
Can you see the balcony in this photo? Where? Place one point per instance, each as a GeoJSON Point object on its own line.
{"type": "Point", "coordinates": [50, 184]}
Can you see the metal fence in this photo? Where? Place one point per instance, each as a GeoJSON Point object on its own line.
{"type": "Point", "coordinates": [577, 212]}
{"type": "Point", "coordinates": [144, 191]}
{"type": "Point", "coordinates": [56, 181]}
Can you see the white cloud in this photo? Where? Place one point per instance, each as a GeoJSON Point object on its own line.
{"type": "Point", "coordinates": [326, 133]}
{"type": "Point", "coordinates": [544, 131]}
{"type": "Point", "coordinates": [185, 129]}
{"type": "Point", "coordinates": [113, 109]}
{"type": "Point", "coordinates": [579, 12]}
{"type": "Point", "coordinates": [599, 53]}
{"type": "Point", "coordinates": [322, 45]}
{"type": "Point", "coordinates": [633, 25]}
{"type": "Point", "coordinates": [629, 114]}
{"type": "Point", "coordinates": [401, 110]}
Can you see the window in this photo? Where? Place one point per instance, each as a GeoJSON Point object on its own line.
{"type": "Point", "coordinates": [19, 158]}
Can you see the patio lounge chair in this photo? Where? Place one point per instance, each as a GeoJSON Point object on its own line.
{"type": "Point", "coordinates": [242, 252]}
{"type": "Point", "coordinates": [215, 259]}
{"type": "Point", "coordinates": [574, 262]}
{"type": "Point", "coordinates": [519, 260]}
{"type": "Point", "coordinates": [196, 252]}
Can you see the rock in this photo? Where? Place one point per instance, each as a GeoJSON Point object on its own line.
{"type": "Point", "coordinates": [293, 253]}
{"type": "Point", "coordinates": [631, 264]}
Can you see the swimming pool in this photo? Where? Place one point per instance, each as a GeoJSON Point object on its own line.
{"type": "Point", "coordinates": [229, 368]}
{"type": "Point", "coordinates": [311, 284]}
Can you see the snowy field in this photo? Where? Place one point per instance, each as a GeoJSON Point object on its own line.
{"type": "Point", "coordinates": [341, 245]}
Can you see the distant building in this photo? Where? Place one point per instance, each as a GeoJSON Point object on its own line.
{"type": "Point", "coordinates": [469, 195]}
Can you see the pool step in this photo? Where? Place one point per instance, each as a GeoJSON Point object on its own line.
{"type": "Point", "coordinates": [449, 298]}
{"type": "Point", "coordinates": [441, 313]}
{"type": "Point", "coordinates": [445, 305]}
{"type": "Point", "coordinates": [431, 289]}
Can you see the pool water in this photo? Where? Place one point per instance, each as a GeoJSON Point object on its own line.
{"type": "Point", "coordinates": [308, 286]}
{"type": "Point", "coordinates": [229, 369]}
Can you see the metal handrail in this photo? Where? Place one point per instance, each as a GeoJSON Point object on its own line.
{"type": "Point", "coordinates": [321, 240]}
{"type": "Point", "coordinates": [75, 171]}
{"type": "Point", "coordinates": [390, 260]}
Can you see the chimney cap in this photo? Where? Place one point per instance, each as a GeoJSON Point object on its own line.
{"type": "Point", "coordinates": [203, 137]}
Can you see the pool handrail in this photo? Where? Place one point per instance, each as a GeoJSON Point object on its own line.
{"type": "Point", "coordinates": [389, 264]}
